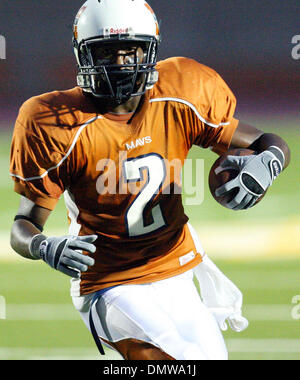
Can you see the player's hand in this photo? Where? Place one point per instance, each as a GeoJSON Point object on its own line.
{"type": "Point", "coordinates": [64, 253]}
{"type": "Point", "coordinates": [256, 174]}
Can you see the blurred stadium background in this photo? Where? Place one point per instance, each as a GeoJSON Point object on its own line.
{"type": "Point", "coordinates": [249, 44]}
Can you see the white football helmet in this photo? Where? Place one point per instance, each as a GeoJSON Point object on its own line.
{"type": "Point", "coordinates": [100, 25]}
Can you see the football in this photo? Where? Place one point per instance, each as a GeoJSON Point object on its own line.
{"type": "Point", "coordinates": [217, 180]}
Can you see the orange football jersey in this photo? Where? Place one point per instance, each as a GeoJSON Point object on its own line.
{"type": "Point", "coordinates": [120, 175]}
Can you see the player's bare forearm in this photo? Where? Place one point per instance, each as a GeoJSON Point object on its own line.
{"type": "Point", "coordinates": [61, 252]}
{"type": "Point", "coordinates": [23, 230]}
{"type": "Point", "coordinates": [269, 139]}
{"type": "Point", "coordinates": [21, 235]}
{"type": "Point", "coordinates": [247, 136]}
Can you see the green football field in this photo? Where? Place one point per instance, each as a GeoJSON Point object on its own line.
{"type": "Point", "coordinates": [257, 249]}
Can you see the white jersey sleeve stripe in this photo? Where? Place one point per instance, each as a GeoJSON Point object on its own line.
{"type": "Point", "coordinates": [192, 107]}
{"type": "Point", "coordinates": [64, 158]}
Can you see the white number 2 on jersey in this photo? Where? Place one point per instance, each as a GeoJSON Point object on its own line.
{"type": "Point", "coordinates": [156, 171]}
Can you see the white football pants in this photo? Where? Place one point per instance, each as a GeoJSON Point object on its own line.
{"type": "Point", "coordinates": [168, 314]}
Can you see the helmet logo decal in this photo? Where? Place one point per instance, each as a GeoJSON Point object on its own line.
{"type": "Point", "coordinates": [118, 30]}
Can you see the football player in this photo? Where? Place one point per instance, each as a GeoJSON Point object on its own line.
{"type": "Point", "coordinates": [107, 145]}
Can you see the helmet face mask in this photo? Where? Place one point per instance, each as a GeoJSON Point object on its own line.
{"type": "Point", "coordinates": [100, 74]}
{"type": "Point", "coordinates": [116, 66]}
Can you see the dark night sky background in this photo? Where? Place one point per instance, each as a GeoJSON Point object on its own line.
{"type": "Point", "coordinates": [247, 42]}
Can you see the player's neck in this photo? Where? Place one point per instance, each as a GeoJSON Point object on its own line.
{"type": "Point", "coordinates": [128, 107]}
